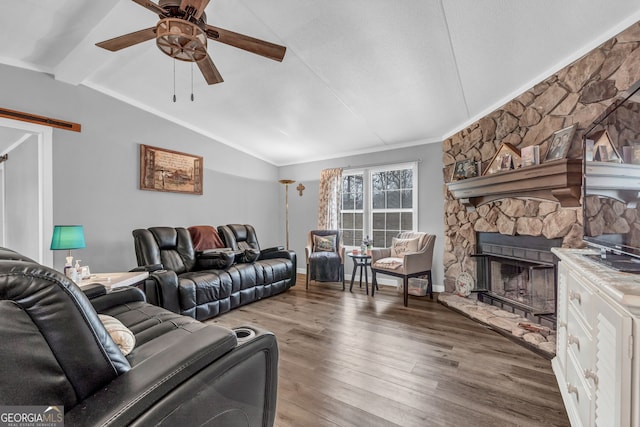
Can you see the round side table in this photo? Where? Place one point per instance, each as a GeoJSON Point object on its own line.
{"type": "Point", "coordinates": [363, 261]}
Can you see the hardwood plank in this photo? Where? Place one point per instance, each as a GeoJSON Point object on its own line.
{"type": "Point", "coordinates": [348, 359]}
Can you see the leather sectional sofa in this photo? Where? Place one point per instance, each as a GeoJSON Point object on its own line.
{"type": "Point", "coordinates": [179, 372]}
{"type": "Point", "coordinates": [204, 284]}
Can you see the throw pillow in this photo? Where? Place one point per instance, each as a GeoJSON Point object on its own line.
{"type": "Point", "coordinates": [120, 334]}
{"type": "Point", "coordinates": [390, 263]}
{"type": "Point", "coordinates": [205, 237]}
{"type": "Point", "coordinates": [399, 247]}
{"type": "Point", "coordinates": [324, 243]}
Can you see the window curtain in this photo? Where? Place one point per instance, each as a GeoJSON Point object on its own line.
{"type": "Point", "coordinates": [330, 199]}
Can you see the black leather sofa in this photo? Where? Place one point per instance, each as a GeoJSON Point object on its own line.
{"type": "Point", "coordinates": [208, 283]}
{"type": "Point", "coordinates": [56, 352]}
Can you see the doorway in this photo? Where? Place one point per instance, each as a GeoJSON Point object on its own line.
{"type": "Point", "coordinates": [26, 189]}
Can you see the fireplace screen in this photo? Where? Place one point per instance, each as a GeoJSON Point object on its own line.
{"type": "Point", "coordinates": [526, 284]}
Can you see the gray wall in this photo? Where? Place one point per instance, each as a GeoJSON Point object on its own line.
{"type": "Point", "coordinates": [303, 211]}
{"type": "Point", "coordinates": [21, 198]}
{"type": "Point", "coordinates": [95, 172]}
{"type": "Point", "coordinates": [96, 175]}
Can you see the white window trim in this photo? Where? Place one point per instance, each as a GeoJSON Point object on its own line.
{"type": "Point", "coordinates": [367, 201]}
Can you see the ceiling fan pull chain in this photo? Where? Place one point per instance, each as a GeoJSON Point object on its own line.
{"type": "Point", "coordinates": [192, 97]}
{"type": "Point", "coordinates": [174, 80]}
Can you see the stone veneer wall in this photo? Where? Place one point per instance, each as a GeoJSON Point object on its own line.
{"type": "Point", "coordinates": [579, 93]}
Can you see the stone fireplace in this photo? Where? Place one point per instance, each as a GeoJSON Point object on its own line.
{"type": "Point", "coordinates": [576, 94]}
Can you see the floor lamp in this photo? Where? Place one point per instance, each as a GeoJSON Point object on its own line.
{"type": "Point", "coordinates": [286, 183]}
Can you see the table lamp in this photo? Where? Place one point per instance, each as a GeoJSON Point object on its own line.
{"type": "Point", "coordinates": [67, 237]}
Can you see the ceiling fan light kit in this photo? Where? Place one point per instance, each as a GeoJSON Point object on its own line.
{"type": "Point", "coordinates": [182, 33]}
{"type": "Point", "coordinates": [181, 40]}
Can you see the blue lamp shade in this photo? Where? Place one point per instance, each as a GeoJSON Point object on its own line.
{"type": "Point", "coordinates": [67, 237]}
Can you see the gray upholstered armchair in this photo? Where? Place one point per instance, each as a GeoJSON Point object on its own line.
{"type": "Point", "coordinates": [324, 255]}
{"type": "Point", "coordinates": [411, 255]}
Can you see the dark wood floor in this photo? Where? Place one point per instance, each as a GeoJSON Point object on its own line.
{"type": "Point", "coordinates": [351, 360]}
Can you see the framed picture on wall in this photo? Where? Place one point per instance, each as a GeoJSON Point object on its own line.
{"type": "Point", "coordinates": [168, 170]}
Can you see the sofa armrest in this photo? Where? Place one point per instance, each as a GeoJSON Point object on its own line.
{"type": "Point", "coordinates": [276, 252]}
{"type": "Point", "coordinates": [117, 296]}
{"type": "Point", "coordinates": [94, 290]}
{"type": "Point", "coordinates": [379, 253]}
{"type": "Point", "coordinates": [272, 249]}
{"type": "Point", "coordinates": [162, 290]}
{"type": "Point", "coordinates": [150, 268]}
{"type": "Point", "coordinates": [133, 393]}
{"type": "Point", "coordinates": [415, 262]}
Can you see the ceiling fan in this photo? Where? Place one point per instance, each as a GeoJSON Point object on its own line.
{"type": "Point", "coordinates": [182, 33]}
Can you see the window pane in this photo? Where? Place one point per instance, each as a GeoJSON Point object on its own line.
{"type": "Point", "coordinates": [378, 221]}
{"type": "Point", "coordinates": [357, 182]}
{"type": "Point", "coordinates": [347, 237]}
{"type": "Point", "coordinates": [393, 221]}
{"type": "Point", "coordinates": [358, 224]}
{"type": "Point", "coordinates": [407, 199]}
{"type": "Point", "coordinates": [393, 199]}
{"type": "Point", "coordinates": [378, 180]}
{"type": "Point", "coordinates": [347, 220]}
{"type": "Point", "coordinates": [359, 201]}
{"type": "Point", "coordinates": [393, 180]}
{"type": "Point", "coordinates": [378, 199]}
{"type": "Point", "coordinates": [357, 241]}
{"type": "Point", "coordinates": [379, 240]}
{"type": "Point", "coordinates": [407, 178]}
{"type": "Point", "coordinates": [347, 202]}
{"type": "Point", "coordinates": [406, 221]}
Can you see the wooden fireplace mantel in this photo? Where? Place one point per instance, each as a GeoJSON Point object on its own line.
{"type": "Point", "coordinates": [558, 181]}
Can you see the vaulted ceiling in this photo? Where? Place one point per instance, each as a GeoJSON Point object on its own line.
{"type": "Point", "coordinates": [358, 75]}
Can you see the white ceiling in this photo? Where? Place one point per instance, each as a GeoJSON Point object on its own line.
{"type": "Point", "coordinates": [358, 76]}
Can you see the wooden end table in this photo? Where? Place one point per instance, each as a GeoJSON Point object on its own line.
{"type": "Point", "coordinates": [115, 280]}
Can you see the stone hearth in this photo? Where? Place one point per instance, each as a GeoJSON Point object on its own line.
{"type": "Point", "coordinates": [538, 338]}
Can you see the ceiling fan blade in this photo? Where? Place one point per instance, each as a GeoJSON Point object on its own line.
{"type": "Point", "coordinates": [152, 7]}
{"type": "Point", "coordinates": [209, 70]}
{"type": "Point", "coordinates": [127, 40]}
{"type": "Point", "coordinates": [197, 5]}
{"type": "Point", "coordinates": [250, 44]}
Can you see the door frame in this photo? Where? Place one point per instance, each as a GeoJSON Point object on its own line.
{"type": "Point", "coordinates": [45, 183]}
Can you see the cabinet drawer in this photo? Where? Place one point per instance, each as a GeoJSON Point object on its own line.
{"type": "Point", "coordinates": [580, 297]}
{"type": "Point", "coordinates": [578, 391]}
{"type": "Point", "coordinates": [579, 340]}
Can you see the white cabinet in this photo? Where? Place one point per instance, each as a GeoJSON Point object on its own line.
{"type": "Point", "coordinates": [594, 362]}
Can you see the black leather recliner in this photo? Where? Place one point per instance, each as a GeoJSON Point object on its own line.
{"type": "Point", "coordinates": [184, 286]}
{"type": "Point", "coordinates": [56, 351]}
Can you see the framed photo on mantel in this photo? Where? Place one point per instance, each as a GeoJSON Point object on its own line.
{"type": "Point", "coordinates": [463, 169]}
{"type": "Point", "coordinates": [507, 158]}
{"type": "Point", "coordinates": [168, 170]}
{"type": "Point", "coordinates": [560, 143]}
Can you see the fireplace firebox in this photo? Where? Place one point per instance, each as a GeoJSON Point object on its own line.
{"type": "Point", "coordinates": [518, 273]}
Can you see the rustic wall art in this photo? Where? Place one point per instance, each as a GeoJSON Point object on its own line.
{"type": "Point", "coordinates": [168, 170]}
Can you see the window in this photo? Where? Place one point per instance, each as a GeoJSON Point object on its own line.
{"type": "Point", "coordinates": [351, 215]}
{"type": "Point", "coordinates": [379, 203]}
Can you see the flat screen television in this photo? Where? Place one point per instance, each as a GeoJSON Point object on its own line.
{"type": "Point", "coordinates": [611, 183]}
